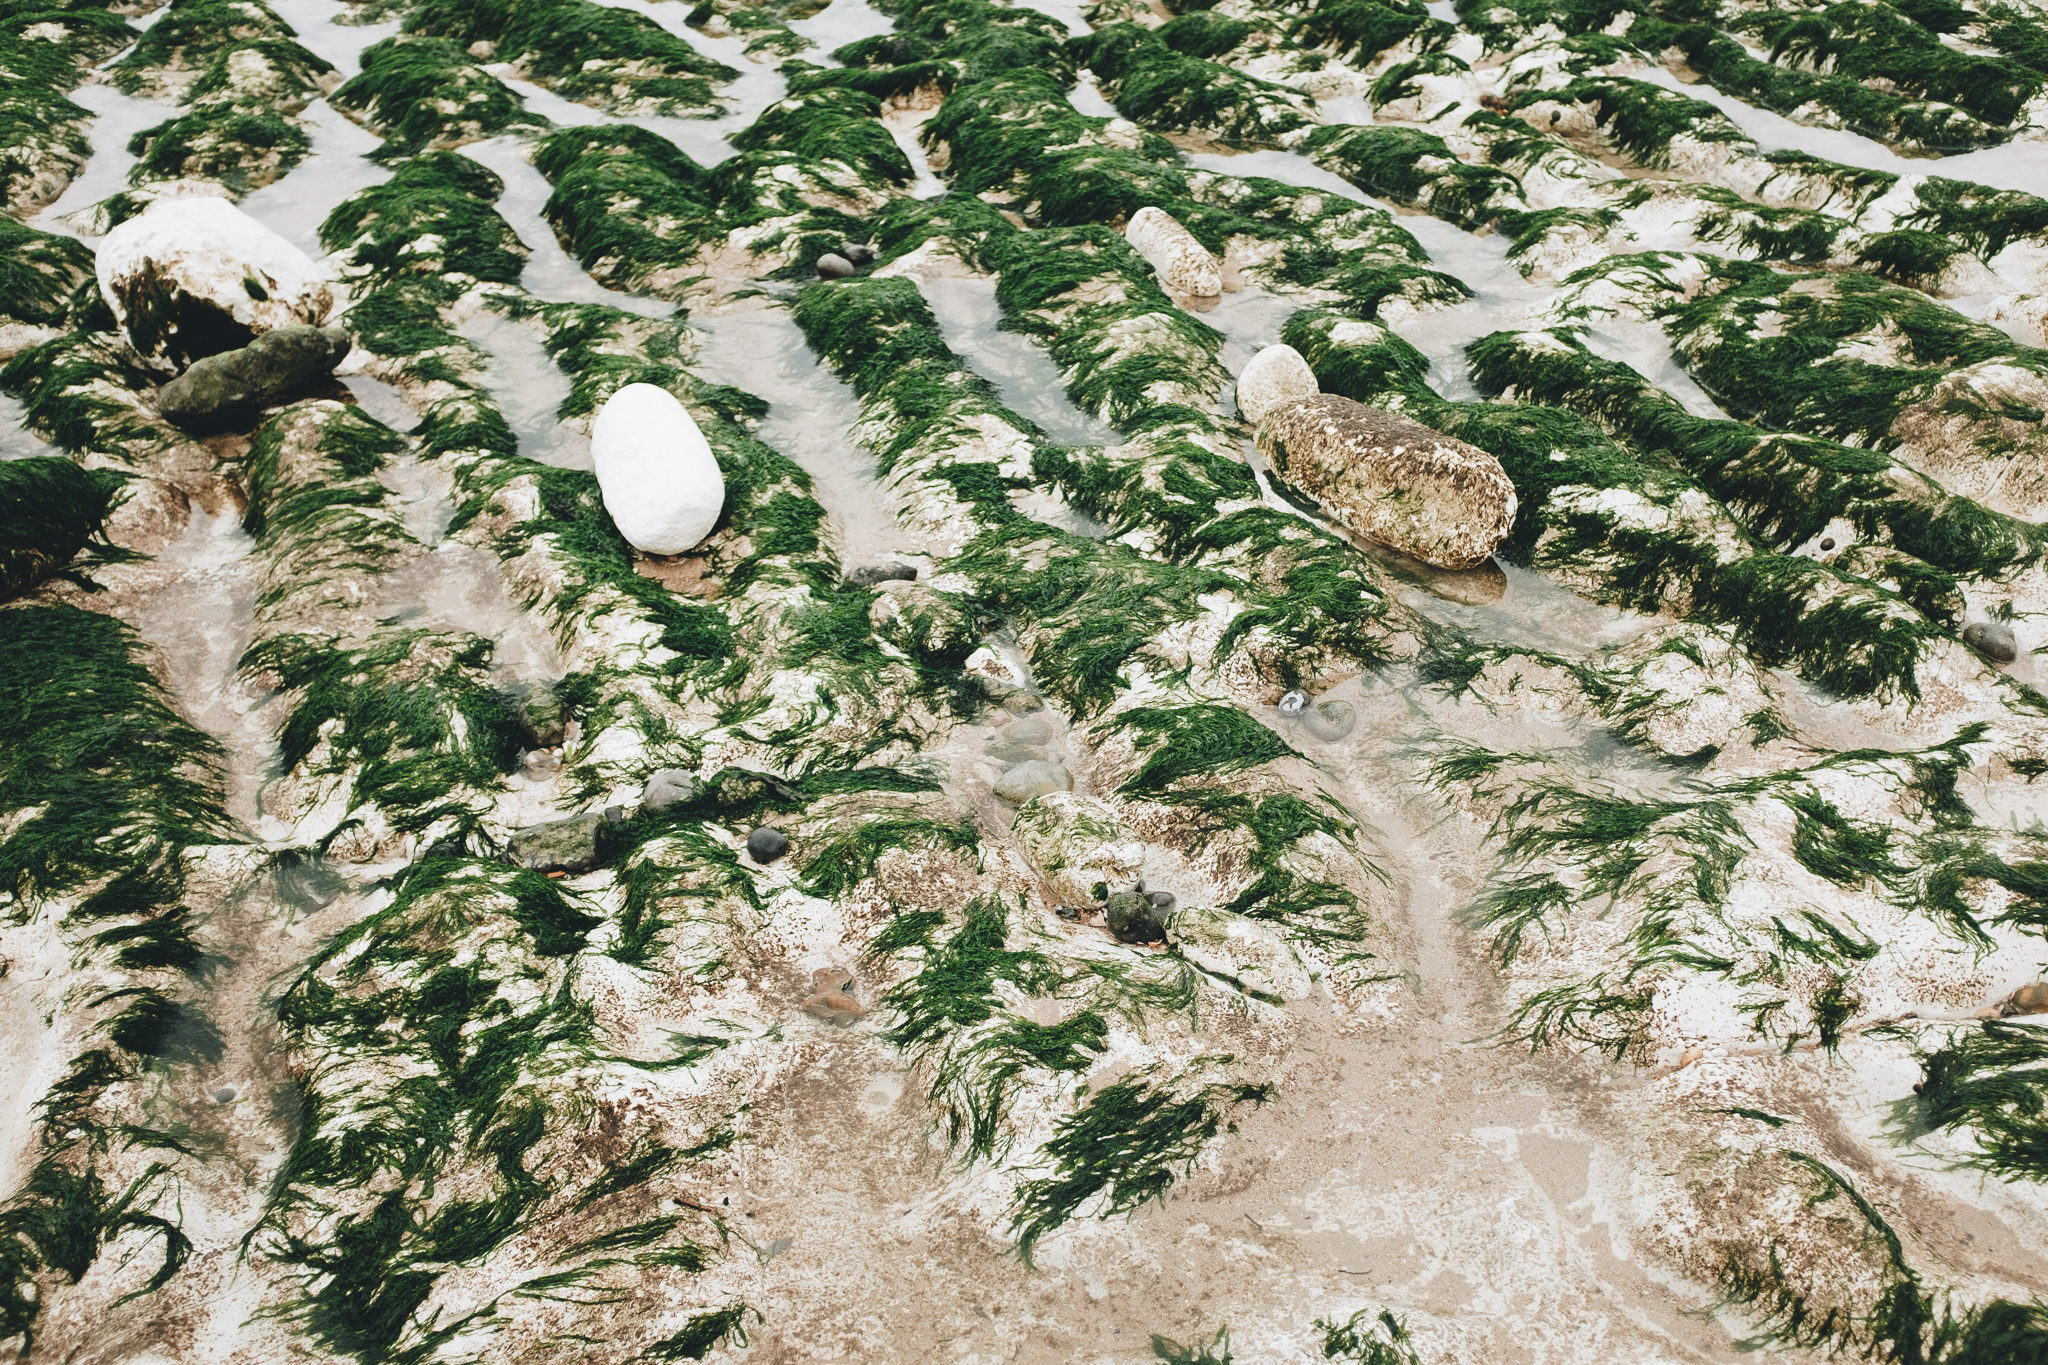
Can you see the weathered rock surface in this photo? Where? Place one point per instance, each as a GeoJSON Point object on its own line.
{"type": "Point", "coordinates": [1392, 480]}
{"type": "Point", "coordinates": [1183, 264]}
{"type": "Point", "coordinates": [226, 390]}
{"type": "Point", "coordinates": [660, 482]}
{"type": "Point", "coordinates": [1274, 376]}
{"type": "Point", "coordinates": [1133, 918]}
{"type": "Point", "coordinates": [193, 277]}
{"type": "Point", "coordinates": [564, 845]}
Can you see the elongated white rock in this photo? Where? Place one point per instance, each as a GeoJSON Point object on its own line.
{"type": "Point", "coordinates": [660, 481]}
{"type": "Point", "coordinates": [1274, 376]}
{"type": "Point", "coordinates": [1392, 480]}
{"type": "Point", "coordinates": [192, 277]}
{"type": "Point", "coordinates": [1182, 263]}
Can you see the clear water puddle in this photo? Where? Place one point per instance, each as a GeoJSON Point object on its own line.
{"type": "Point", "coordinates": [295, 206]}
{"type": "Point", "coordinates": [1025, 376]}
{"type": "Point", "coordinates": [116, 119]}
{"type": "Point", "coordinates": [528, 387]}
{"type": "Point", "coordinates": [16, 440]}
{"type": "Point", "coordinates": [810, 414]}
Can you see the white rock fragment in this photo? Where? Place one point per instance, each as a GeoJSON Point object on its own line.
{"type": "Point", "coordinates": [190, 277]}
{"type": "Point", "coordinates": [1274, 376]}
{"type": "Point", "coordinates": [1183, 264]}
{"type": "Point", "coordinates": [660, 482]}
{"type": "Point", "coordinates": [1392, 480]}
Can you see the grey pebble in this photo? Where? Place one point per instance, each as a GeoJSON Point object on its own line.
{"type": "Point", "coordinates": [833, 267]}
{"type": "Point", "coordinates": [1030, 730]}
{"type": "Point", "coordinates": [767, 843]}
{"type": "Point", "coordinates": [1993, 639]}
{"type": "Point", "coordinates": [670, 787]}
{"type": "Point", "coordinates": [1032, 779]}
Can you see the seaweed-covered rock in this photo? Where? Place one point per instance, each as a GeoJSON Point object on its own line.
{"type": "Point", "coordinates": [1133, 918]}
{"type": "Point", "coordinates": [191, 277]}
{"type": "Point", "coordinates": [660, 481]}
{"type": "Point", "coordinates": [222, 391]}
{"type": "Point", "coordinates": [1183, 264]}
{"type": "Point", "coordinates": [49, 509]}
{"type": "Point", "coordinates": [1392, 480]}
{"type": "Point", "coordinates": [1274, 376]}
{"type": "Point", "coordinates": [562, 845]}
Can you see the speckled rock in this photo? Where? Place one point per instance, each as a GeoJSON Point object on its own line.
{"type": "Point", "coordinates": [1392, 480]}
{"type": "Point", "coordinates": [660, 482]}
{"type": "Point", "coordinates": [1274, 376]}
{"type": "Point", "coordinates": [191, 277]}
{"type": "Point", "coordinates": [1078, 846]}
{"type": "Point", "coordinates": [1183, 264]}
{"type": "Point", "coordinates": [226, 390]}
{"type": "Point", "coordinates": [1035, 778]}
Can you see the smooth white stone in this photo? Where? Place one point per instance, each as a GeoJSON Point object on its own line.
{"type": "Point", "coordinates": [1182, 263]}
{"type": "Point", "coordinates": [1274, 376]}
{"type": "Point", "coordinates": [656, 471]}
{"type": "Point", "coordinates": [171, 272]}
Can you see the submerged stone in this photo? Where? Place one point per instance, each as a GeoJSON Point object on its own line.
{"type": "Point", "coordinates": [670, 787]}
{"type": "Point", "coordinates": [1038, 777]}
{"type": "Point", "coordinates": [1133, 918]}
{"type": "Point", "coordinates": [1183, 264]}
{"type": "Point", "coordinates": [1392, 480]}
{"type": "Point", "coordinates": [226, 390]}
{"type": "Point", "coordinates": [1274, 376]}
{"type": "Point", "coordinates": [564, 845]}
{"type": "Point", "coordinates": [1993, 639]}
{"type": "Point", "coordinates": [767, 843]}
{"type": "Point", "coordinates": [1330, 721]}
{"type": "Point", "coordinates": [660, 482]}
{"type": "Point", "coordinates": [1016, 751]}
{"type": "Point", "coordinates": [871, 575]}
{"type": "Point", "coordinates": [1029, 730]}
{"type": "Point", "coordinates": [834, 267]}
{"type": "Point", "coordinates": [191, 277]}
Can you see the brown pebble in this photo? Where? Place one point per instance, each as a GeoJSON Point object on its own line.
{"type": "Point", "coordinates": [826, 980]}
{"type": "Point", "coordinates": [834, 1007]}
{"type": "Point", "coordinates": [2031, 998]}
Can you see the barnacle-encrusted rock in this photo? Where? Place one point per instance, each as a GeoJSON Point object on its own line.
{"type": "Point", "coordinates": [1184, 265]}
{"type": "Point", "coordinates": [1392, 480]}
{"type": "Point", "coordinates": [565, 845]}
{"type": "Point", "coordinates": [661, 483]}
{"type": "Point", "coordinates": [1133, 918]}
{"type": "Point", "coordinates": [1274, 376]}
{"type": "Point", "coordinates": [223, 390]}
{"type": "Point", "coordinates": [190, 277]}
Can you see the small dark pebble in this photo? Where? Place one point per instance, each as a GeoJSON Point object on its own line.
{"type": "Point", "coordinates": [616, 815]}
{"type": "Point", "coordinates": [1162, 901]}
{"type": "Point", "coordinates": [1072, 911]}
{"type": "Point", "coordinates": [767, 844]}
{"type": "Point", "coordinates": [1827, 543]}
{"type": "Point", "coordinates": [225, 1095]}
{"type": "Point", "coordinates": [1993, 639]}
{"type": "Point", "coordinates": [831, 267]}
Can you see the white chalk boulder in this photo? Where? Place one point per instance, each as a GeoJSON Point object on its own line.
{"type": "Point", "coordinates": [1274, 376]}
{"type": "Point", "coordinates": [1183, 264]}
{"type": "Point", "coordinates": [656, 471]}
{"type": "Point", "coordinates": [1392, 480]}
{"type": "Point", "coordinates": [192, 277]}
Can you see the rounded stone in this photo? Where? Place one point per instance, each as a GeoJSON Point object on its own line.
{"type": "Point", "coordinates": [834, 1007]}
{"type": "Point", "coordinates": [1162, 901]}
{"type": "Point", "coordinates": [1029, 730]}
{"type": "Point", "coordinates": [192, 276]}
{"type": "Point", "coordinates": [860, 253]}
{"type": "Point", "coordinates": [1133, 918]}
{"type": "Point", "coordinates": [1183, 264]}
{"type": "Point", "coordinates": [225, 1095]}
{"type": "Point", "coordinates": [1275, 376]}
{"type": "Point", "coordinates": [832, 266]}
{"type": "Point", "coordinates": [1330, 721]}
{"type": "Point", "coordinates": [1035, 778]}
{"type": "Point", "coordinates": [655, 470]}
{"type": "Point", "coordinates": [1993, 639]}
{"type": "Point", "coordinates": [767, 843]}
{"type": "Point", "coordinates": [1392, 480]}
{"type": "Point", "coordinates": [1022, 704]}
{"type": "Point", "coordinates": [670, 787]}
